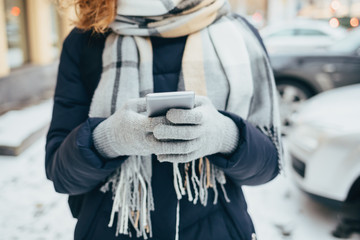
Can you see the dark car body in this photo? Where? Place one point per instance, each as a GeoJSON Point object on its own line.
{"type": "Point", "coordinates": [320, 70]}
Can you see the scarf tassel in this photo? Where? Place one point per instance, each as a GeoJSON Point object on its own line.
{"type": "Point", "coordinates": [134, 206]}
{"type": "Point", "coordinates": [209, 176]}
{"type": "Point", "coordinates": [131, 205]}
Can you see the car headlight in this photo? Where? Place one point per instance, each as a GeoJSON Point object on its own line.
{"type": "Point", "coordinates": [305, 138]}
{"type": "Point", "coordinates": [309, 136]}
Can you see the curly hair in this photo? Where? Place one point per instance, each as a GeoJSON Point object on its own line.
{"type": "Point", "coordinates": [93, 15]}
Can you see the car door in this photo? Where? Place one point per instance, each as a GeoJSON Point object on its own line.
{"type": "Point", "coordinates": [347, 71]}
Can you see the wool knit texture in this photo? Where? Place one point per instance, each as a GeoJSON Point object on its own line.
{"type": "Point", "coordinates": [193, 133]}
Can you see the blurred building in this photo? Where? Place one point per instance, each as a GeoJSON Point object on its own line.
{"type": "Point", "coordinates": [31, 34]}
{"type": "Point", "coordinates": [343, 10]}
{"type": "Point", "coordinates": [264, 12]}
{"type": "Point", "coordinates": [340, 12]}
{"type": "Point", "coordinates": [330, 8]}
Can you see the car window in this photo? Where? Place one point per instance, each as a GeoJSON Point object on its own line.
{"type": "Point", "coordinates": [309, 32]}
{"type": "Point", "coordinates": [283, 33]}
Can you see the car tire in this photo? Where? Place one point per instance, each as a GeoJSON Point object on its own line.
{"type": "Point", "coordinates": [354, 193]}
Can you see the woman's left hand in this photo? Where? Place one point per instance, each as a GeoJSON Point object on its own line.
{"type": "Point", "coordinates": [214, 131]}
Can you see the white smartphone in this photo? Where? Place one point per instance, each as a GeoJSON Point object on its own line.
{"type": "Point", "coordinates": [157, 104]}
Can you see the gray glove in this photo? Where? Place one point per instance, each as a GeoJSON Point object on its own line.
{"type": "Point", "coordinates": [210, 130]}
{"type": "Point", "coordinates": [129, 132]}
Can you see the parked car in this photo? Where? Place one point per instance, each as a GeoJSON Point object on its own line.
{"type": "Point", "coordinates": [324, 145]}
{"type": "Point", "coordinates": [300, 76]}
{"type": "Point", "coordinates": [300, 35]}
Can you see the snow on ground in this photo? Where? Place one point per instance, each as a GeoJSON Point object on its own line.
{"type": "Point", "coordinates": [280, 211]}
{"type": "Point", "coordinates": [30, 209]}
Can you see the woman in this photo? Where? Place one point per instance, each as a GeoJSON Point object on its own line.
{"type": "Point", "coordinates": [174, 176]}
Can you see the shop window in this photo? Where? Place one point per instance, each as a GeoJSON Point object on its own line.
{"type": "Point", "coordinates": [16, 33]}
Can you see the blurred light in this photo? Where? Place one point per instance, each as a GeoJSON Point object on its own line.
{"type": "Point", "coordinates": [15, 11]}
{"type": "Point", "coordinates": [334, 22]}
{"type": "Point", "coordinates": [335, 5]}
{"type": "Point", "coordinates": [354, 22]}
{"type": "Point", "coordinates": [257, 17]}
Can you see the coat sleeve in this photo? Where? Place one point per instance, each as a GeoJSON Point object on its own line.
{"type": "Point", "coordinates": [255, 160]}
{"type": "Point", "coordinates": [71, 161]}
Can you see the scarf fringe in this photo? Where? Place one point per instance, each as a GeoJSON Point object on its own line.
{"type": "Point", "coordinates": [209, 177]}
{"type": "Point", "coordinates": [133, 199]}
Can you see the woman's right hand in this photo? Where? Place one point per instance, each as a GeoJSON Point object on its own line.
{"type": "Point", "coordinates": [130, 132]}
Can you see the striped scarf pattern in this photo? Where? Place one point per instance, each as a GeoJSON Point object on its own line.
{"type": "Point", "coordinates": [222, 60]}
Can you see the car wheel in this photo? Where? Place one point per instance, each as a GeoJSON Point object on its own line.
{"type": "Point", "coordinates": [292, 94]}
{"type": "Point", "coordinates": [354, 193]}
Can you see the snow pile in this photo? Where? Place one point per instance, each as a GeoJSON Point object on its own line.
{"type": "Point", "coordinates": [16, 126]}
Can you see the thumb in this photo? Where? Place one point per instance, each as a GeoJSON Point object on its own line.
{"type": "Point", "coordinates": [137, 105]}
{"type": "Point", "coordinates": [202, 100]}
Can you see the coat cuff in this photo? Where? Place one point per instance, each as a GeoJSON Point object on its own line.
{"type": "Point", "coordinates": [85, 143]}
{"type": "Point", "coordinates": [231, 140]}
{"type": "Point", "coordinates": [228, 160]}
{"type": "Point", "coordinates": [255, 160]}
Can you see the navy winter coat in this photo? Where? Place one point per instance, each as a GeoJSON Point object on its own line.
{"type": "Point", "coordinates": [75, 167]}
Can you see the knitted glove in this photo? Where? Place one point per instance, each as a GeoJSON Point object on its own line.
{"type": "Point", "coordinates": [215, 132]}
{"type": "Point", "coordinates": [129, 132]}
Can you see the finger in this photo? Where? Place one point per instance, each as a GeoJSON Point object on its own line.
{"type": "Point", "coordinates": [137, 105]}
{"type": "Point", "coordinates": [151, 123]}
{"type": "Point", "coordinates": [179, 132]}
{"type": "Point", "coordinates": [178, 158]}
{"type": "Point", "coordinates": [171, 147]}
{"type": "Point", "coordinates": [201, 100]}
{"type": "Point", "coordinates": [183, 116]}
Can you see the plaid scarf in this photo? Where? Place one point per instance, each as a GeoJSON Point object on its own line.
{"type": "Point", "coordinates": [222, 59]}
